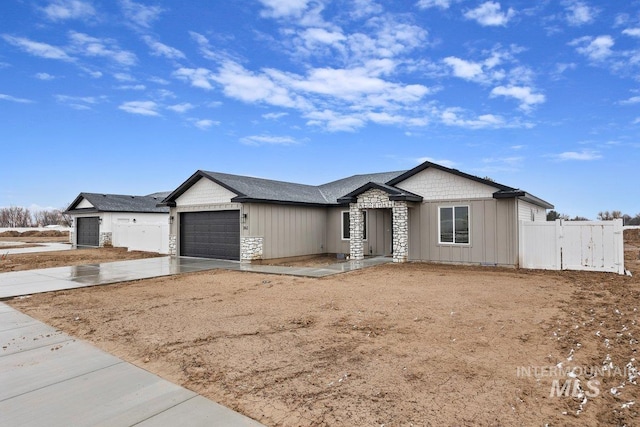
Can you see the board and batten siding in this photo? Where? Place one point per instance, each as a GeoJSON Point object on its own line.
{"type": "Point", "coordinates": [529, 212]}
{"type": "Point", "coordinates": [287, 230]}
{"type": "Point", "coordinates": [205, 192]}
{"type": "Point", "coordinates": [493, 233]}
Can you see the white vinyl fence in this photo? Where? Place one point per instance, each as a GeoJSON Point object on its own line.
{"type": "Point", "coordinates": [142, 237]}
{"type": "Point", "coordinates": [572, 245]}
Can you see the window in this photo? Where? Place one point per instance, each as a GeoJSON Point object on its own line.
{"type": "Point", "coordinates": [454, 225]}
{"type": "Point", "coordinates": [346, 223]}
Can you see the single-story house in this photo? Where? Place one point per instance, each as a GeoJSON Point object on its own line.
{"type": "Point", "coordinates": [134, 222]}
{"type": "Point", "coordinates": [428, 213]}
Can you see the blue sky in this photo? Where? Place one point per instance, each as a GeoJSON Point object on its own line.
{"type": "Point", "coordinates": [132, 97]}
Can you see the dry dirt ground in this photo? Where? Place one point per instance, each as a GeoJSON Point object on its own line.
{"type": "Point", "coordinates": [30, 261]}
{"type": "Point", "coordinates": [394, 345]}
{"type": "Point", "coordinates": [31, 238]}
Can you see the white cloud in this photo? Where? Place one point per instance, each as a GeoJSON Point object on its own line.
{"type": "Point", "coordinates": [596, 49]}
{"type": "Point", "coordinates": [274, 116]}
{"type": "Point", "coordinates": [441, 162]}
{"type": "Point", "coordinates": [14, 99]}
{"type": "Point", "coordinates": [632, 100]}
{"type": "Point", "coordinates": [181, 108]}
{"type": "Point", "coordinates": [124, 77]}
{"type": "Point", "coordinates": [427, 4]}
{"type": "Point", "coordinates": [283, 8]}
{"type": "Point", "coordinates": [158, 80]}
{"type": "Point", "coordinates": [131, 87]}
{"type": "Point", "coordinates": [452, 117]}
{"type": "Point", "coordinates": [584, 155]}
{"type": "Point", "coordinates": [205, 47]}
{"type": "Point", "coordinates": [43, 50]}
{"type": "Point", "coordinates": [44, 76]}
{"type": "Point", "coordinates": [579, 13]}
{"type": "Point", "coordinates": [632, 32]}
{"type": "Point", "coordinates": [335, 122]}
{"type": "Point", "coordinates": [139, 14]}
{"type": "Point", "coordinates": [522, 93]}
{"type": "Point", "coordinates": [79, 102]}
{"type": "Point", "coordinates": [320, 35]}
{"type": "Point", "coordinates": [161, 49]}
{"type": "Point", "coordinates": [464, 69]}
{"type": "Point", "coordinates": [242, 84]}
{"type": "Point", "coordinates": [268, 140]}
{"type": "Point", "coordinates": [204, 124]}
{"type": "Point", "coordinates": [490, 14]}
{"type": "Point", "coordinates": [144, 108]}
{"type": "Point", "coordinates": [105, 48]}
{"type": "Point", "coordinates": [60, 10]}
{"type": "Point", "coordinates": [197, 77]}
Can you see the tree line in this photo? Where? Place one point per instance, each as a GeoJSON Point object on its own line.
{"type": "Point", "coordinates": [602, 216]}
{"type": "Point", "coordinates": [16, 216]}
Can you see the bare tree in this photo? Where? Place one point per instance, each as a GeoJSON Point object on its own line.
{"type": "Point", "coordinates": [48, 217]}
{"type": "Point", "coordinates": [608, 216]}
{"type": "Point", "coordinates": [15, 216]}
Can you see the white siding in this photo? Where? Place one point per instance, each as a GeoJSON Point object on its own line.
{"type": "Point", "coordinates": [530, 212]}
{"type": "Point", "coordinates": [205, 192]}
{"type": "Point", "coordinates": [434, 184]}
{"type": "Point", "coordinates": [84, 203]}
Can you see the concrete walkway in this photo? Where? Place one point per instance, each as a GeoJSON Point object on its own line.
{"type": "Point", "coordinates": [59, 278]}
{"type": "Point", "coordinates": [44, 247]}
{"type": "Point", "coordinates": [51, 379]}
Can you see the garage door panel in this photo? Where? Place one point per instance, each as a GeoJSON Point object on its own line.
{"type": "Point", "coordinates": [88, 231]}
{"type": "Point", "coordinates": [214, 234]}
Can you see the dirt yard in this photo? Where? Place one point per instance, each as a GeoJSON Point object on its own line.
{"type": "Point", "coordinates": [30, 239]}
{"type": "Point", "coordinates": [412, 344]}
{"type": "Point", "coordinates": [18, 262]}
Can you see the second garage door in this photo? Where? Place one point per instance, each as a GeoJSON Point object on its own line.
{"type": "Point", "coordinates": [88, 230]}
{"type": "Point", "coordinates": [210, 234]}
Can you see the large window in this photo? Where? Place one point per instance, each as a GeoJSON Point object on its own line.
{"type": "Point", "coordinates": [346, 229]}
{"type": "Point", "coordinates": [454, 225]}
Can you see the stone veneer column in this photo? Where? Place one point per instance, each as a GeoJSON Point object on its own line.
{"type": "Point", "coordinates": [400, 232]}
{"type": "Point", "coordinates": [356, 225]}
{"type": "Point", "coordinates": [173, 244]}
{"type": "Point", "coordinates": [105, 239]}
{"type": "Point", "coordinates": [251, 248]}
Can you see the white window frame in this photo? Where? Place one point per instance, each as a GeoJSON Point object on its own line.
{"type": "Point", "coordinates": [453, 212]}
{"type": "Point", "coordinates": [366, 225]}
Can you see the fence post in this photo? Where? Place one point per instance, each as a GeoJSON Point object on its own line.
{"type": "Point", "coordinates": [559, 244]}
{"type": "Point", "coordinates": [618, 239]}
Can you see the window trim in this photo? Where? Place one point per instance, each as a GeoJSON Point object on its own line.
{"type": "Point", "coordinates": [366, 225]}
{"type": "Point", "coordinates": [453, 212]}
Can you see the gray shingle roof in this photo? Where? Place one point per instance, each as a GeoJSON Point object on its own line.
{"type": "Point", "coordinates": [265, 189]}
{"type": "Point", "coordinates": [121, 203]}
{"type": "Point", "coordinates": [250, 189]}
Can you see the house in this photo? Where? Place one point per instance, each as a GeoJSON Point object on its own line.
{"type": "Point", "coordinates": [428, 213]}
{"type": "Point", "coordinates": [134, 222]}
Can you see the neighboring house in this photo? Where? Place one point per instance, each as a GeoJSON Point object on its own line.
{"type": "Point", "coordinates": [134, 222]}
{"type": "Point", "coordinates": [429, 213]}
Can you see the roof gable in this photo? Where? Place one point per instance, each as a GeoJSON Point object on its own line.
{"type": "Point", "coordinates": [395, 194]}
{"type": "Point", "coordinates": [95, 202]}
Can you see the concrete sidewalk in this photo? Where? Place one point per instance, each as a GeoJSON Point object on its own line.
{"type": "Point", "coordinates": [59, 278]}
{"type": "Point", "coordinates": [51, 379]}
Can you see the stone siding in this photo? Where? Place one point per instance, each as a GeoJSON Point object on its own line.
{"type": "Point", "coordinates": [105, 239]}
{"type": "Point", "coordinates": [374, 199]}
{"type": "Point", "coordinates": [251, 248]}
{"type": "Point", "coordinates": [400, 232]}
{"type": "Point", "coordinates": [356, 228]}
{"type": "Point", "coordinates": [173, 244]}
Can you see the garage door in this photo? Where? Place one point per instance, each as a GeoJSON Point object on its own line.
{"type": "Point", "coordinates": [88, 230]}
{"type": "Point", "coordinates": [210, 234]}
